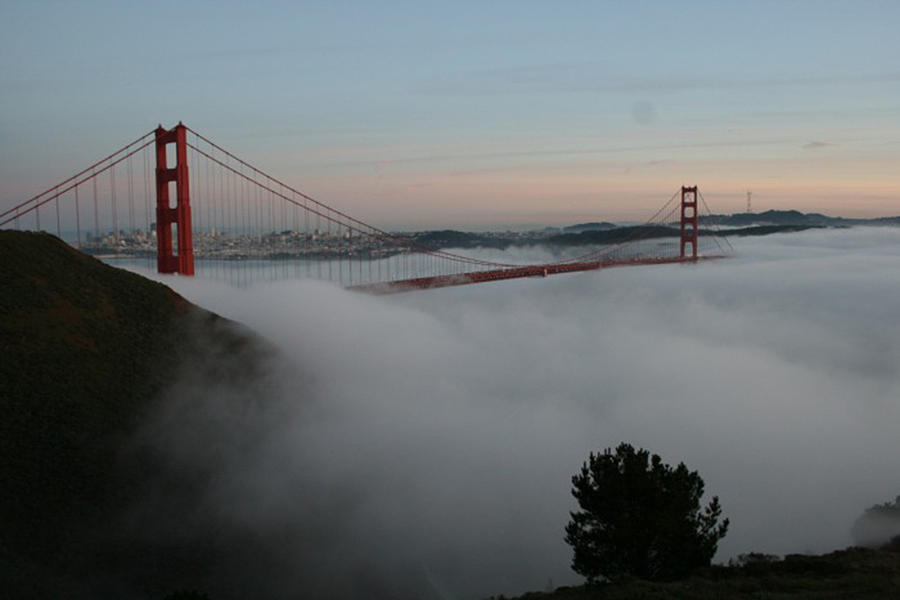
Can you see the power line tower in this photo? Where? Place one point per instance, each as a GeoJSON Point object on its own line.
{"type": "Point", "coordinates": [749, 195]}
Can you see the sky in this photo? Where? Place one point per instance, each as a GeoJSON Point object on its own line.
{"type": "Point", "coordinates": [442, 114]}
{"type": "Point", "coordinates": [422, 445]}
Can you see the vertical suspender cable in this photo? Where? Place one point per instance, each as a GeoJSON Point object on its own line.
{"type": "Point", "coordinates": [130, 171]}
{"type": "Point", "coordinates": [208, 197]}
{"type": "Point", "coordinates": [284, 227]}
{"type": "Point", "coordinates": [220, 202]}
{"type": "Point", "coordinates": [239, 201]}
{"type": "Point", "coordinates": [112, 200]}
{"type": "Point", "coordinates": [328, 219]}
{"type": "Point", "coordinates": [232, 201]}
{"type": "Point", "coordinates": [306, 258]}
{"type": "Point", "coordinates": [318, 240]}
{"type": "Point", "coordinates": [96, 210]}
{"type": "Point", "coordinates": [196, 205]}
{"type": "Point", "coordinates": [259, 215]}
{"type": "Point", "coordinates": [247, 205]}
{"type": "Point", "coordinates": [226, 199]}
{"type": "Point", "coordinates": [281, 228]}
{"type": "Point", "coordinates": [248, 209]}
{"type": "Point", "coordinates": [145, 152]}
{"type": "Point", "coordinates": [294, 233]}
{"type": "Point", "coordinates": [271, 204]}
{"type": "Point", "coordinates": [258, 226]}
{"type": "Point", "coordinates": [77, 218]}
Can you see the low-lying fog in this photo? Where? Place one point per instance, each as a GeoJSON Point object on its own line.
{"type": "Point", "coordinates": [423, 443]}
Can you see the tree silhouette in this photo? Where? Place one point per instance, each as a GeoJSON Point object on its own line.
{"type": "Point", "coordinates": [879, 526]}
{"type": "Point", "coordinates": [640, 517]}
{"type": "Point", "coordinates": [187, 595]}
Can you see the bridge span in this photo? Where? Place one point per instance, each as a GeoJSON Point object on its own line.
{"type": "Point", "coordinates": [176, 195]}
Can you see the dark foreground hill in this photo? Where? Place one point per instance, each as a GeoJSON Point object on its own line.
{"type": "Point", "coordinates": [858, 573]}
{"type": "Point", "coordinates": [87, 352]}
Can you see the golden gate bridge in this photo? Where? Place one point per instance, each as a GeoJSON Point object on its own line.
{"type": "Point", "coordinates": [175, 194]}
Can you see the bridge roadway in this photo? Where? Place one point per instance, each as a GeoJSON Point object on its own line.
{"type": "Point", "coordinates": [439, 281]}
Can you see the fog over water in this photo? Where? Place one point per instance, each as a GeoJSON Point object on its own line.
{"type": "Point", "coordinates": [422, 444]}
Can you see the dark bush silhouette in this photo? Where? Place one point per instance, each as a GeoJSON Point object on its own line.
{"type": "Point", "coordinates": [640, 517]}
{"type": "Point", "coordinates": [755, 564]}
{"type": "Point", "coordinates": [187, 595]}
{"type": "Point", "coordinates": [878, 526]}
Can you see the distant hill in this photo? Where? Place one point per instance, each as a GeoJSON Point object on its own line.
{"type": "Point", "coordinates": [612, 236]}
{"type": "Point", "coordinates": [791, 217]}
{"type": "Point", "coordinates": [582, 227]}
{"type": "Point", "coordinates": [87, 352]}
{"type": "Point", "coordinates": [758, 230]}
{"type": "Point", "coordinates": [601, 233]}
{"type": "Point", "coordinates": [449, 238]}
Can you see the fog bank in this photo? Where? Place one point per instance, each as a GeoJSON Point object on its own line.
{"type": "Point", "coordinates": [422, 444]}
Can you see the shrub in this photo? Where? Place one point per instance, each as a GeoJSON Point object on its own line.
{"type": "Point", "coordinates": [878, 525]}
{"type": "Point", "coordinates": [640, 517]}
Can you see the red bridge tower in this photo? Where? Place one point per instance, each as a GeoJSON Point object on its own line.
{"type": "Point", "coordinates": [689, 221]}
{"type": "Point", "coordinates": [180, 258]}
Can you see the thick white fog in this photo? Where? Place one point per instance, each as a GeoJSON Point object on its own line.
{"type": "Point", "coordinates": [422, 444]}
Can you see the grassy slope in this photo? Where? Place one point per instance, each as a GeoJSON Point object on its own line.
{"type": "Point", "coordinates": [84, 346]}
{"type": "Point", "coordinates": [85, 351]}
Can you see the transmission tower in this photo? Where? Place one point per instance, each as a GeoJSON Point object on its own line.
{"type": "Point", "coordinates": [749, 195]}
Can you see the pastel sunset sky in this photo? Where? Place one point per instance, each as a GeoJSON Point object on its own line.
{"type": "Point", "coordinates": [431, 114]}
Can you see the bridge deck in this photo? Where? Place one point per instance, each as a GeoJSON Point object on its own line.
{"type": "Point", "coordinates": [440, 281]}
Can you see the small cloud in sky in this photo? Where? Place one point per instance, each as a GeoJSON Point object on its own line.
{"type": "Point", "coordinates": [643, 113]}
{"type": "Point", "coordinates": [646, 164]}
{"type": "Point", "coordinates": [816, 144]}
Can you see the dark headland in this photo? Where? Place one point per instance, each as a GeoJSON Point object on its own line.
{"type": "Point", "coordinates": [88, 351]}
